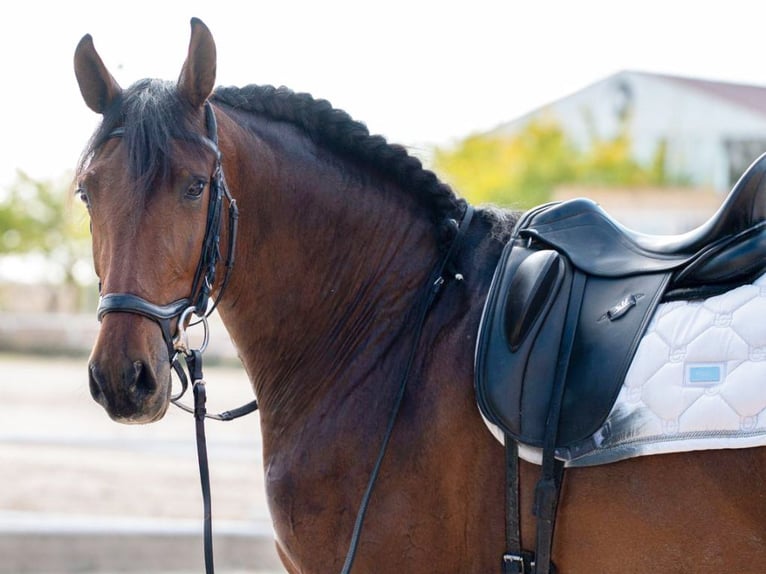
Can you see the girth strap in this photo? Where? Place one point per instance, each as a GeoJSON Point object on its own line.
{"type": "Point", "coordinates": [549, 486]}
{"type": "Point", "coordinates": [515, 560]}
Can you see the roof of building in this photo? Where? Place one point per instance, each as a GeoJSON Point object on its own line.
{"type": "Point", "coordinates": [750, 97]}
{"type": "Point", "coordinates": [745, 95]}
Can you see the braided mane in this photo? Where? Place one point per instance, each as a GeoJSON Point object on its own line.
{"type": "Point", "coordinates": [153, 115]}
{"type": "Point", "coordinates": [336, 130]}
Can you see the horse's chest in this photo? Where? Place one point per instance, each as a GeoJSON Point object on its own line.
{"type": "Point", "coordinates": [309, 484]}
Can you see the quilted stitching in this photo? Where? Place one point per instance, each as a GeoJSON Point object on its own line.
{"type": "Point", "coordinates": [721, 341]}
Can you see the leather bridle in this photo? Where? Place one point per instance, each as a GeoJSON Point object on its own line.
{"type": "Point", "coordinates": [204, 278]}
{"type": "Point", "coordinates": [199, 303]}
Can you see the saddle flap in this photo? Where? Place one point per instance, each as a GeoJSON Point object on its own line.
{"type": "Point", "coordinates": [523, 317]}
{"type": "Point", "coordinates": [530, 294]}
{"type": "Point", "coordinates": [529, 312]}
{"type": "Point", "coordinates": [613, 317]}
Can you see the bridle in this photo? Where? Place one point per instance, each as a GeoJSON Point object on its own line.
{"type": "Point", "coordinates": [199, 297]}
{"type": "Point", "coordinates": [199, 304]}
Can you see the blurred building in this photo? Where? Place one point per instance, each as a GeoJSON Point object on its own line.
{"type": "Point", "coordinates": [711, 130]}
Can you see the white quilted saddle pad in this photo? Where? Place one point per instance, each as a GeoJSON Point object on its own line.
{"type": "Point", "coordinates": [697, 382]}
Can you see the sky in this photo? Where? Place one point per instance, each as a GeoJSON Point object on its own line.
{"type": "Point", "coordinates": [421, 73]}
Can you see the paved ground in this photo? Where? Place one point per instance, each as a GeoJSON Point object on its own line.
{"type": "Point", "coordinates": [80, 493]}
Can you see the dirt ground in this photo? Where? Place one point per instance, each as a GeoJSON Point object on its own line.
{"type": "Point", "coordinates": [81, 493]}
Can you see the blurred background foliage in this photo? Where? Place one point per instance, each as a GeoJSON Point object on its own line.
{"type": "Point", "coordinates": [44, 232]}
{"type": "Point", "coordinates": [523, 170]}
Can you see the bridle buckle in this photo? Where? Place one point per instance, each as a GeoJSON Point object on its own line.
{"type": "Point", "coordinates": [516, 564]}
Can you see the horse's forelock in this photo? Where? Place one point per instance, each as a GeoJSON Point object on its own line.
{"type": "Point", "coordinates": [151, 114]}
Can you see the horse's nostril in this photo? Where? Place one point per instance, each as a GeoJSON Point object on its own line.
{"type": "Point", "coordinates": [127, 389]}
{"type": "Point", "coordinates": [144, 381]}
{"type": "Point", "coordinates": [94, 383]}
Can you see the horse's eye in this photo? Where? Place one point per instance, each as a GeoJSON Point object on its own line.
{"type": "Point", "coordinates": [195, 190]}
{"type": "Point", "coordinates": [83, 195]}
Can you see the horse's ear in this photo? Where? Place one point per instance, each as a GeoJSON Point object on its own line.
{"type": "Point", "coordinates": [98, 87]}
{"type": "Point", "coordinates": [198, 73]}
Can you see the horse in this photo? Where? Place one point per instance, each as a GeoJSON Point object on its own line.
{"type": "Point", "coordinates": [339, 234]}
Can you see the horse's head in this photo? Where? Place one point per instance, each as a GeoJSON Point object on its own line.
{"type": "Point", "coordinates": [151, 181]}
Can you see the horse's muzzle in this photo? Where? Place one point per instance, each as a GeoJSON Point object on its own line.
{"type": "Point", "coordinates": [129, 371]}
{"type": "Point", "coordinates": [137, 400]}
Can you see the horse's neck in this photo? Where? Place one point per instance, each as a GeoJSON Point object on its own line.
{"type": "Point", "coordinates": [327, 274]}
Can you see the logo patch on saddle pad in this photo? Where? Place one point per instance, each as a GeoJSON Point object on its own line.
{"type": "Point", "coordinates": [704, 374]}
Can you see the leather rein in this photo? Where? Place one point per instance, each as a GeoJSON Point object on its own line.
{"type": "Point", "coordinates": [199, 303]}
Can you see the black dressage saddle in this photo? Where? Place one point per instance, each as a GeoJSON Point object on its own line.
{"type": "Point", "coordinates": [572, 295]}
{"type": "Point", "coordinates": [570, 299]}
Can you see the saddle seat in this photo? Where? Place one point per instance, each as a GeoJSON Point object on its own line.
{"type": "Point", "coordinates": [730, 244]}
{"type": "Point", "coordinates": [572, 295]}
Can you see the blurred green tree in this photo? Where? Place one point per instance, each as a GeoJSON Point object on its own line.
{"type": "Point", "coordinates": [39, 218]}
{"type": "Point", "coordinates": [522, 171]}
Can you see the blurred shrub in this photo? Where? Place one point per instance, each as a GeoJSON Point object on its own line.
{"type": "Point", "coordinates": [38, 218]}
{"type": "Point", "coordinates": [522, 170]}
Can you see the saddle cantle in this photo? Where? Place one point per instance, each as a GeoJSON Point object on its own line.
{"type": "Point", "coordinates": [573, 293]}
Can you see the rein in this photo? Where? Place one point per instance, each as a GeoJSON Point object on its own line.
{"type": "Point", "coordinates": [428, 295]}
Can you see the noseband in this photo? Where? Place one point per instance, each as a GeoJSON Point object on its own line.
{"type": "Point", "coordinates": [204, 277]}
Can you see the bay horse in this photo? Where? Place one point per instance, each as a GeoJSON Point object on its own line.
{"type": "Point", "coordinates": [339, 232]}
